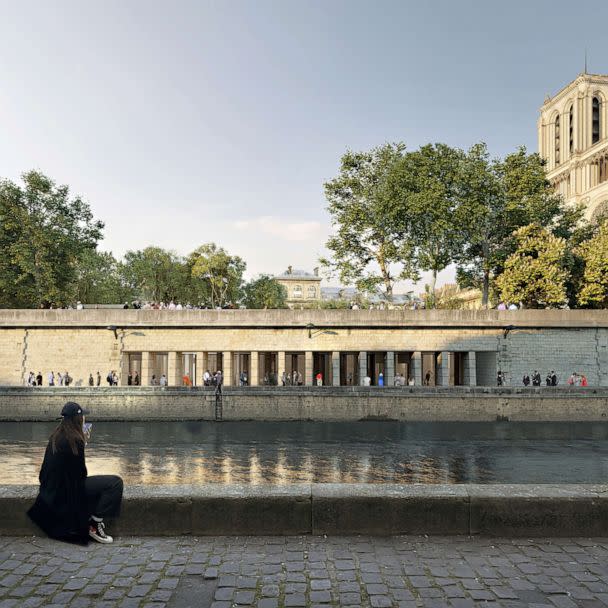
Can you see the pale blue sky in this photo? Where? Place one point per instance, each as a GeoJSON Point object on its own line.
{"type": "Point", "coordinates": [187, 122]}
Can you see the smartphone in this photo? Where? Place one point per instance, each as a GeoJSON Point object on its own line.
{"type": "Point", "coordinates": [86, 427]}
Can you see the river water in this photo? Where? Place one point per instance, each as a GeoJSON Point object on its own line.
{"type": "Point", "coordinates": [323, 452]}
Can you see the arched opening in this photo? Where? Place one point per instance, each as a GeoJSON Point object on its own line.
{"type": "Point", "coordinates": [595, 120]}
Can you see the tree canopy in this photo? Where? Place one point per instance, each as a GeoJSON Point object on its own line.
{"type": "Point", "coordinates": [264, 292]}
{"type": "Point", "coordinates": [44, 234]}
{"type": "Point", "coordinates": [368, 248]}
{"type": "Point", "coordinates": [535, 275]}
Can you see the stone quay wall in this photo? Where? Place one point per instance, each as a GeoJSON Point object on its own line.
{"type": "Point", "coordinates": [382, 509]}
{"type": "Point", "coordinates": [467, 347]}
{"type": "Point", "coordinates": [313, 403]}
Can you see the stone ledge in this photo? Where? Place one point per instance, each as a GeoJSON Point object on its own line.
{"type": "Point", "coordinates": [492, 510]}
{"type": "Point", "coordinates": [300, 319]}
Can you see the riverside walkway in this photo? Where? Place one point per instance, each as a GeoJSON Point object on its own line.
{"type": "Point", "coordinates": [276, 572]}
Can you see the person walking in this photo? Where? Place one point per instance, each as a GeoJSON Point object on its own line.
{"type": "Point", "coordinates": [526, 380]}
{"type": "Point", "coordinates": [98, 378]}
{"type": "Point", "coordinates": [39, 379]}
{"type": "Point", "coordinates": [91, 380]}
{"type": "Point", "coordinates": [51, 378]}
{"type": "Point", "coordinates": [71, 505]}
{"type": "Point", "coordinates": [380, 379]}
{"type": "Point", "coordinates": [136, 379]}
{"type": "Point", "coordinates": [536, 378]}
{"type": "Point", "coordinates": [499, 378]}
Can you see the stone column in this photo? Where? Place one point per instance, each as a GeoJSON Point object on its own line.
{"type": "Point", "coordinates": [227, 371]}
{"type": "Point", "coordinates": [472, 360]}
{"type": "Point", "coordinates": [389, 377]}
{"type": "Point", "coordinates": [280, 366]}
{"type": "Point", "coordinates": [172, 370]}
{"type": "Point", "coordinates": [335, 368]}
{"type": "Point", "coordinates": [445, 368]}
{"type": "Point", "coordinates": [201, 366]}
{"type": "Point", "coordinates": [254, 371]}
{"type": "Point", "coordinates": [145, 368]}
{"type": "Point", "coordinates": [362, 366]}
{"type": "Point", "coordinates": [308, 379]}
{"type": "Point", "coordinates": [416, 364]}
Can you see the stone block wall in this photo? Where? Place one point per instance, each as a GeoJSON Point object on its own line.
{"type": "Point", "coordinates": [83, 342]}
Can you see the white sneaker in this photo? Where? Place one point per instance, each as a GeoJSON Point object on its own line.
{"type": "Point", "coordinates": [97, 532]}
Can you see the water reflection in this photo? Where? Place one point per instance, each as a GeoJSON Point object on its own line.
{"type": "Point", "coordinates": [295, 452]}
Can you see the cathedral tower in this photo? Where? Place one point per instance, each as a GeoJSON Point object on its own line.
{"type": "Point", "coordinates": [573, 138]}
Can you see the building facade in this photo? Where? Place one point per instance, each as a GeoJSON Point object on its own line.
{"type": "Point", "coordinates": [573, 139]}
{"type": "Point", "coordinates": [438, 347]}
{"type": "Point", "coordinates": [302, 287]}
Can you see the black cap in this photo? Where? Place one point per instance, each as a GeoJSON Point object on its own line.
{"type": "Point", "coordinates": [71, 408]}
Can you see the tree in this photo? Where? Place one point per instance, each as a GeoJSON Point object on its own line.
{"type": "Point", "coordinates": [43, 235]}
{"type": "Point", "coordinates": [594, 252]}
{"type": "Point", "coordinates": [368, 247]}
{"type": "Point", "coordinates": [219, 274]}
{"type": "Point", "coordinates": [155, 274]}
{"type": "Point", "coordinates": [505, 195]}
{"type": "Point", "coordinates": [99, 280]}
{"type": "Point", "coordinates": [264, 292]}
{"type": "Point", "coordinates": [431, 210]}
{"type": "Point", "coordinates": [535, 274]}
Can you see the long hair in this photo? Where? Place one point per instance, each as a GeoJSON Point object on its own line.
{"type": "Point", "coordinates": [69, 429]}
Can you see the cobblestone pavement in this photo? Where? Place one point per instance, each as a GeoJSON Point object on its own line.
{"type": "Point", "coordinates": [270, 572]}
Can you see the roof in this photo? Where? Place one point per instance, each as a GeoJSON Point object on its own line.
{"type": "Point", "coordinates": [298, 274]}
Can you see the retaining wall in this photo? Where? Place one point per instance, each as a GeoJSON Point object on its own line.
{"type": "Point", "coordinates": [324, 403]}
{"type": "Point", "coordinates": [333, 509]}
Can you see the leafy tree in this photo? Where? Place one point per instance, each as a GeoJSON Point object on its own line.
{"type": "Point", "coordinates": [535, 274]}
{"type": "Point", "coordinates": [99, 280]}
{"type": "Point", "coordinates": [154, 274]}
{"type": "Point", "coordinates": [43, 235]}
{"type": "Point", "coordinates": [431, 210]}
{"type": "Point", "coordinates": [594, 253]}
{"type": "Point", "coordinates": [219, 274]}
{"type": "Point", "coordinates": [264, 292]}
{"type": "Point", "coordinates": [505, 195]}
{"type": "Point", "coordinates": [368, 247]}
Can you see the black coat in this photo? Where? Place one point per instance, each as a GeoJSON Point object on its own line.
{"type": "Point", "coordinates": [61, 507]}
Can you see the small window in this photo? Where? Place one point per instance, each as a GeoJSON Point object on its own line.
{"type": "Point", "coordinates": [595, 120]}
{"type": "Point", "coordinates": [557, 158]}
{"type": "Point", "coordinates": [297, 291]}
{"type": "Point", "coordinates": [312, 292]}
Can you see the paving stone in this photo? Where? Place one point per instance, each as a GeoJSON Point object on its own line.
{"type": "Point", "coordinates": [295, 571]}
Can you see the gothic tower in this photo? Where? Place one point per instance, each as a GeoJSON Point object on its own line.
{"type": "Point", "coordinates": [573, 138]}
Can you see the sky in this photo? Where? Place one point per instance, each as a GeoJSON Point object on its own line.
{"type": "Point", "coordinates": [187, 122]}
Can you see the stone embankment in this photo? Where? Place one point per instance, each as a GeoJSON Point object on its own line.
{"type": "Point", "coordinates": [475, 404]}
{"type": "Point", "coordinates": [333, 509]}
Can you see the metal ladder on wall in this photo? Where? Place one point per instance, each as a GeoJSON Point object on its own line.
{"type": "Point", "coordinates": [219, 404]}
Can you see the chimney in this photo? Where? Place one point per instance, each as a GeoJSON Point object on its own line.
{"type": "Point", "coordinates": [316, 271]}
{"type": "Point", "coordinates": [289, 269]}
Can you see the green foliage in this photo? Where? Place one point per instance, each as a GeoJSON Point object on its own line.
{"type": "Point", "coordinates": [368, 248]}
{"type": "Point", "coordinates": [264, 292]}
{"type": "Point", "coordinates": [594, 253]}
{"type": "Point", "coordinates": [154, 274]}
{"type": "Point", "coordinates": [219, 275]}
{"type": "Point", "coordinates": [505, 195]}
{"type": "Point", "coordinates": [432, 213]}
{"type": "Point", "coordinates": [535, 274]}
{"type": "Point", "coordinates": [43, 236]}
{"type": "Point", "coordinates": [99, 280]}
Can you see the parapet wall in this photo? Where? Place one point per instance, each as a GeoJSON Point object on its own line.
{"type": "Point", "coordinates": [387, 509]}
{"type": "Point", "coordinates": [320, 404]}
